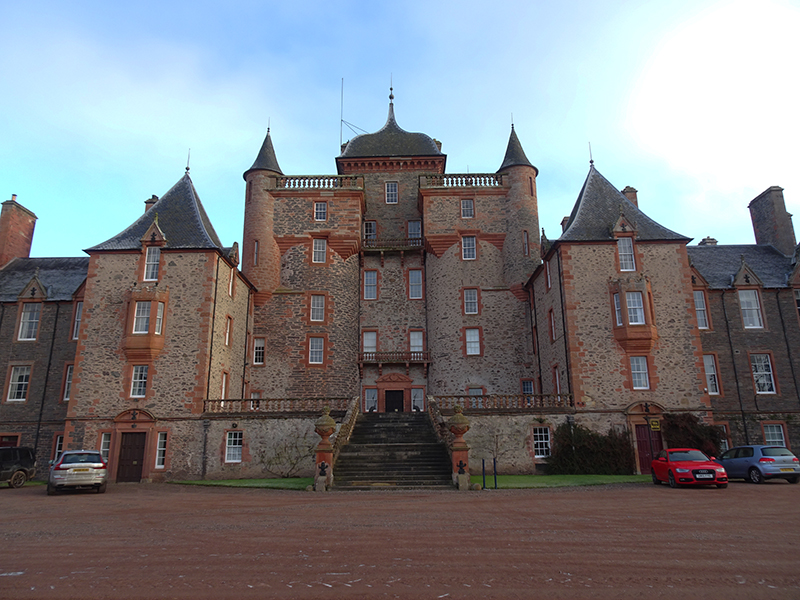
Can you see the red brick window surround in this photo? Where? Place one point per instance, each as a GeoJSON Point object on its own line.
{"type": "Point", "coordinates": [750, 307]}
{"type": "Point", "coordinates": [29, 316]}
{"type": "Point", "coordinates": [625, 254]}
{"type": "Point", "coordinates": [774, 433]}
{"type": "Point", "coordinates": [370, 283]}
{"type": "Point", "coordinates": [66, 388]}
{"type": "Point", "coordinates": [161, 450]}
{"type": "Point", "coordinates": [640, 379]}
{"type": "Point", "coordinates": [763, 372]}
{"type": "Point", "coordinates": [152, 262]}
{"type": "Point", "coordinates": [228, 330]}
{"type": "Point", "coordinates": [259, 347]}
{"type": "Point", "coordinates": [469, 247]}
{"type": "Point", "coordinates": [414, 230]}
{"type": "Point", "coordinates": [391, 192]}
{"type": "Point", "coordinates": [701, 310]}
{"type": "Point", "coordinates": [320, 211]}
{"type": "Point", "coordinates": [471, 301]}
{"type": "Point", "coordinates": [140, 376]}
{"type": "Point", "coordinates": [58, 446]}
{"type": "Point", "coordinates": [370, 230]}
{"type": "Point", "coordinates": [316, 351]}
{"type": "Point", "coordinates": [416, 343]}
{"type": "Point", "coordinates": [467, 209]}
{"type": "Point", "coordinates": [76, 319]}
{"type": "Point", "coordinates": [224, 385]}
{"type": "Point", "coordinates": [415, 284]}
{"type": "Point", "coordinates": [234, 446]}
{"type": "Point", "coordinates": [472, 338]}
{"type": "Point", "coordinates": [9, 439]}
{"type": "Point", "coordinates": [231, 281]}
{"type": "Point", "coordinates": [712, 377]}
{"type": "Point", "coordinates": [319, 250]}
{"type": "Point", "coordinates": [369, 342]}
{"type": "Point", "coordinates": [18, 382]}
{"type": "Point", "coordinates": [317, 308]}
{"type": "Point", "coordinates": [527, 387]}
{"type": "Point", "coordinates": [370, 399]}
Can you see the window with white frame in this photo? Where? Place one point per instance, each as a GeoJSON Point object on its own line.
{"type": "Point", "coordinates": [224, 392]}
{"type": "Point", "coordinates": [712, 382]}
{"type": "Point", "coordinates": [471, 301]}
{"type": "Point", "coordinates": [141, 319]}
{"type": "Point", "coordinates": [68, 383]}
{"type": "Point", "coordinates": [635, 308]}
{"type": "Point", "coordinates": [467, 209]}
{"type": "Point", "coordinates": [233, 446]}
{"type": "Point", "coordinates": [105, 445]}
{"type": "Point", "coordinates": [139, 381]}
{"type": "Point", "coordinates": [527, 387]}
{"type": "Point", "coordinates": [231, 277]}
{"type": "Point", "coordinates": [29, 320]}
{"type": "Point", "coordinates": [541, 442]}
{"type": "Point", "coordinates": [255, 252]}
{"type": "Point", "coordinates": [159, 318]}
{"type": "Point", "coordinates": [476, 397]}
{"type": "Point", "coordinates": [414, 230]}
{"type": "Point", "coordinates": [59, 447]}
{"type": "Point", "coordinates": [316, 350]}
{"type": "Point", "coordinates": [417, 399]}
{"type": "Point", "coordinates": [547, 279]}
{"type": "Point", "coordinates": [526, 249]}
{"type": "Point", "coordinates": [551, 322]}
{"type": "Point", "coordinates": [370, 399]}
{"type": "Point", "coordinates": [317, 307]}
{"type": "Point", "coordinates": [258, 351]}
{"type": "Point", "coordinates": [18, 386]}
{"type": "Point", "coordinates": [625, 250]}
{"type": "Point", "coordinates": [370, 341]}
{"type": "Point", "coordinates": [228, 327]}
{"type": "Point", "coordinates": [415, 284]}
{"type": "Point", "coordinates": [473, 337]}
{"type": "Point", "coordinates": [370, 230]}
{"type": "Point", "coordinates": [751, 309]}
{"type": "Point", "coordinates": [617, 310]}
{"type": "Point", "coordinates": [320, 251]}
{"type": "Point", "coordinates": [320, 211]}
{"type": "Point", "coordinates": [468, 247]}
{"type": "Point", "coordinates": [415, 344]}
{"type": "Point", "coordinates": [639, 373]}
{"type": "Point", "coordinates": [773, 434]}
{"type": "Point", "coordinates": [391, 192]}
{"type": "Point", "coordinates": [76, 325]}
{"type": "Point", "coordinates": [762, 373]}
{"type": "Point", "coordinates": [370, 285]}
{"type": "Point", "coordinates": [151, 260]}
{"type": "Point", "coordinates": [161, 449]}
{"type": "Point", "coordinates": [556, 380]}
{"type": "Point", "coordinates": [700, 309]}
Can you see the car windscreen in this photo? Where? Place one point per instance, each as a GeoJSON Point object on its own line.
{"type": "Point", "coordinates": [776, 451]}
{"type": "Point", "coordinates": [81, 458]}
{"type": "Point", "coordinates": [691, 455]}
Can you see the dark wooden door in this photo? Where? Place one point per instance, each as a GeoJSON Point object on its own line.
{"type": "Point", "coordinates": [131, 456]}
{"type": "Point", "coordinates": [643, 446]}
{"type": "Point", "coordinates": [394, 400]}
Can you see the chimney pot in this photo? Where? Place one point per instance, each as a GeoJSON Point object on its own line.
{"type": "Point", "coordinates": [630, 193]}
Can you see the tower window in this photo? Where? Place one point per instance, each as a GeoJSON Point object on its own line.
{"type": "Point", "coordinates": [625, 250]}
{"type": "Point", "coordinates": [391, 192]}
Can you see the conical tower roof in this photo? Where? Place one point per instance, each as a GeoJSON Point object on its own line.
{"type": "Point", "coordinates": [266, 159]}
{"type": "Point", "coordinates": [515, 155]}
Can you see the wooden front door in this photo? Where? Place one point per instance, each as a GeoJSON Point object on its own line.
{"type": "Point", "coordinates": [394, 400]}
{"type": "Point", "coordinates": [131, 456]}
{"type": "Point", "coordinates": [643, 446]}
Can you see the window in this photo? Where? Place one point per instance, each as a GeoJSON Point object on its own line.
{"type": "Point", "coordinates": [617, 310]}
{"type": "Point", "coordinates": [228, 327]}
{"type": "Point", "coordinates": [551, 322]}
{"type": "Point", "coordinates": [547, 280]}
{"type": "Point", "coordinates": [468, 251]}
{"type": "Point", "coordinates": [527, 388]}
{"type": "Point", "coordinates": [415, 284]}
{"type": "Point", "coordinates": [526, 249]}
{"type": "Point", "coordinates": [700, 309]}
{"type": "Point", "coordinates": [18, 384]}
{"type": "Point", "coordinates": [639, 373]}
{"type": "Point", "coordinates": [414, 230]}
{"type": "Point", "coordinates": [370, 285]}
{"type": "Point", "coordinates": [317, 307]}
{"type": "Point", "coordinates": [773, 435]}
{"type": "Point", "coordinates": [233, 447]}
{"type": "Point", "coordinates": [29, 321]}
{"type": "Point", "coordinates": [68, 383]}
{"type": "Point", "coordinates": [76, 327]}
{"type": "Point", "coordinates": [723, 438]}
{"type": "Point", "coordinates": [635, 308]}
{"type": "Point", "coordinates": [471, 301]}
{"type": "Point", "coordinates": [370, 341]}
{"type": "Point", "coordinates": [415, 344]}
{"type": "Point", "coordinates": [370, 400]}
{"type": "Point", "coordinates": [139, 381]}
{"type": "Point", "coordinates": [320, 251]}
{"type": "Point", "coordinates": [473, 337]}
{"type": "Point", "coordinates": [231, 277]}
{"type": "Point", "coordinates": [320, 211]}
{"type": "Point", "coordinates": [797, 301]}
{"type": "Point", "coordinates": [316, 350]}
{"type": "Point", "coordinates": [258, 351]}
{"type": "Point", "coordinates": [751, 309]}
{"type": "Point", "coordinates": [224, 391]}
{"type": "Point", "coordinates": [625, 250]}
{"type": "Point", "coordinates": [105, 445]}
{"type": "Point", "coordinates": [556, 380]}
{"type": "Point", "coordinates": [159, 318]}
{"type": "Point", "coordinates": [59, 447]}
{"type": "Point", "coordinates": [141, 321]}
{"type": "Point", "coordinates": [255, 252]}
{"type": "Point", "coordinates": [370, 230]}
{"type": "Point", "coordinates": [762, 373]}
{"type": "Point", "coordinates": [476, 394]}
{"type": "Point", "coordinates": [712, 383]}
{"type": "Point", "coordinates": [417, 399]}
{"type": "Point", "coordinates": [151, 261]}
{"type": "Point", "coordinates": [467, 209]}
{"type": "Point", "coordinates": [391, 192]}
{"type": "Point", "coordinates": [541, 442]}
{"type": "Point", "coordinates": [161, 449]}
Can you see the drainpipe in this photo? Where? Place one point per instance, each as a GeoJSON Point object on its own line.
{"type": "Point", "coordinates": [564, 323]}
{"type": "Point", "coordinates": [206, 425]}
{"type": "Point", "coordinates": [735, 372]}
{"type": "Point", "coordinates": [213, 322]}
{"type": "Point", "coordinates": [247, 337]}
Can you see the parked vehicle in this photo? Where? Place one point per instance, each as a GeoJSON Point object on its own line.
{"type": "Point", "coordinates": [687, 466]}
{"type": "Point", "coordinates": [78, 469]}
{"type": "Point", "coordinates": [17, 465]}
{"type": "Point", "coordinates": [759, 463]}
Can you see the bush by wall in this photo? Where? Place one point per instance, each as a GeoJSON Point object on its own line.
{"type": "Point", "coordinates": [578, 450]}
{"type": "Point", "coordinates": [685, 430]}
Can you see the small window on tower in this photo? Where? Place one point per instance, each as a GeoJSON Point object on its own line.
{"type": "Point", "coordinates": [391, 192]}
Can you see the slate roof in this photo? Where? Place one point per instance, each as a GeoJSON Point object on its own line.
{"type": "Point", "coordinates": [181, 217]}
{"type": "Point", "coordinates": [719, 264]}
{"type": "Point", "coordinates": [266, 159]}
{"type": "Point", "coordinates": [60, 277]}
{"type": "Point", "coordinates": [390, 140]}
{"type": "Point", "coordinates": [515, 155]}
{"type": "Point", "coordinates": [598, 208]}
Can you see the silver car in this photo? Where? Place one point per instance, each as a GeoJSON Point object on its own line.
{"type": "Point", "coordinates": [758, 463]}
{"type": "Point", "coordinates": [78, 469]}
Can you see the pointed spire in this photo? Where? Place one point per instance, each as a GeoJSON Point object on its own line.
{"type": "Point", "coordinates": [266, 160]}
{"type": "Point", "coordinates": [515, 155]}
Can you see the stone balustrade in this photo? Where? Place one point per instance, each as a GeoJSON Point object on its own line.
{"type": "Point", "coordinates": [393, 357]}
{"type": "Point", "coordinates": [276, 405]}
{"type": "Point", "coordinates": [373, 243]}
{"type": "Point", "coordinates": [461, 180]}
{"type": "Point", "coordinates": [535, 403]}
{"type": "Point", "coordinates": [319, 182]}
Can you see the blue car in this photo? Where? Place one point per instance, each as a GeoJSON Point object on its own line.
{"type": "Point", "coordinates": [759, 463]}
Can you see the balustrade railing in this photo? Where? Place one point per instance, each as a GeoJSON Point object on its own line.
{"type": "Point", "coordinates": [513, 402]}
{"type": "Point", "coordinates": [460, 180]}
{"type": "Point", "coordinates": [440, 424]}
{"type": "Point", "coordinates": [393, 357]}
{"type": "Point", "coordinates": [276, 405]}
{"type": "Point", "coordinates": [372, 243]}
{"type": "Point", "coordinates": [346, 429]}
{"type": "Point", "coordinates": [316, 182]}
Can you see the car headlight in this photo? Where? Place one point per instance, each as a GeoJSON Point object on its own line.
{"type": "Point", "coordinates": [720, 470]}
{"type": "Point", "coordinates": [681, 470]}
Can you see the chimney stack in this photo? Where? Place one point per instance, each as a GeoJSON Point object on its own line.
{"type": "Point", "coordinates": [16, 231]}
{"type": "Point", "coordinates": [772, 225]}
{"type": "Point", "coordinates": [630, 193]}
{"type": "Point", "coordinates": [707, 241]}
{"type": "Point", "coordinates": [148, 204]}
{"type": "Point", "coordinates": [564, 222]}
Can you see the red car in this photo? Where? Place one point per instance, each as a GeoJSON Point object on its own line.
{"type": "Point", "coordinates": [687, 466]}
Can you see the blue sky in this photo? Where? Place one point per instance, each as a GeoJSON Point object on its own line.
{"type": "Point", "coordinates": [694, 103]}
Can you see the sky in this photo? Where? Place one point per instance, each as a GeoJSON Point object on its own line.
{"type": "Point", "coordinates": [693, 103]}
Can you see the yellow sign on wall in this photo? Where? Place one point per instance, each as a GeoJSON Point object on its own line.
{"type": "Point", "coordinates": [655, 425]}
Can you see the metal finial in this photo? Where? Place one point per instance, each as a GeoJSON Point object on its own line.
{"type": "Point", "coordinates": [591, 160]}
{"type": "Point", "coordinates": [188, 158]}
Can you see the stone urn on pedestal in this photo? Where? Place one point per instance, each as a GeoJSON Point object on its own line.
{"type": "Point", "coordinates": [323, 474]}
{"type": "Point", "coordinates": [459, 425]}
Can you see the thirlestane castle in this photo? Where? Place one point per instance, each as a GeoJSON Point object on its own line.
{"type": "Point", "coordinates": [392, 286]}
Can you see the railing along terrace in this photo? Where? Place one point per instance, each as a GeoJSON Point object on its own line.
{"type": "Point", "coordinates": [440, 424]}
{"type": "Point", "coordinates": [460, 180]}
{"type": "Point", "coordinates": [393, 357]}
{"type": "Point", "coordinates": [391, 243]}
{"type": "Point", "coordinates": [513, 402]}
{"type": "Point", "coordinates": [316, 182]}
{"type": "Point", "coordinates": [346, 429]}
{"type": "Point", "coordinates": [276, 405]}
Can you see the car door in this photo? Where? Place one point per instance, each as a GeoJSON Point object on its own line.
{"type": "Point", "coordinates": [728, 460]}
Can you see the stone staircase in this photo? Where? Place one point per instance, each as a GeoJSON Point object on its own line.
{"type": "Point", "coordinates": [392, 451]}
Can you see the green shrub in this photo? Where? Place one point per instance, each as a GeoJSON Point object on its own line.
{"type": "Point", "coordinates": [684, 430]}
{"type": "Point", "coordinates": [578, 450]}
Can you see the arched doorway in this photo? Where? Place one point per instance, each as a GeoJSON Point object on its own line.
{"type": "Point", "coordinates": [131, 432]}
{"type": "Point", "coordinates": [644, 421]}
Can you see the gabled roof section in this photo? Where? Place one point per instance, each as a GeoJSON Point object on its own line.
{"type": "Point", "coordinates": [598, 210]}
{"type": "Point", "coordinates": [266, 159]}
{"type": "Point", "coordinates": [181, 217]}
{"type": "Point", "coordinates": [390, 140]}
{"type": "Point", "coordinates": [515, 155]}
{"type": "Point", "coordinates": [720, 265]}
{"type": "Point", "coordinates": [58, 277]}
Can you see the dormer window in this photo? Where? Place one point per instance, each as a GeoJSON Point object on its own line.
{"type": "Point", "coordinates": [29, 321]}
{"type": "Point", "coordinates": [625, 251]}
{"type": "Point", "coordinates": [391, 192]}
{"type": "Point", "coordinates": [152, 259]}
{"type": "Point", "coordinates": [751, 309]}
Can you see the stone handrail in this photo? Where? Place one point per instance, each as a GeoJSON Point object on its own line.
{"type": "Point", "coordinates": [393, 357]}
{"type": "Point", "coordinates": [461, 180]}
{"type": "Point", "coordinates": [506, 403]}
{"type": "Point", "coordinates": [324, 182]}
{"type": "Point", "coordinates": [372, 243]}
{"type": "Point", "coordinates": [346, 428]}
{"type": "Point", "coordinates": [276, 405]}
{"type": "Point", "coordinates": [440, 425]}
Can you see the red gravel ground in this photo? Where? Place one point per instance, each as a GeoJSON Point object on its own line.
{"type": "Point", "coordinates": [625, 541]}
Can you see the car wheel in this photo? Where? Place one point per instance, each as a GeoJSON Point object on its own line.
{"type": "Point", "coordinates": [794, 479]}
{"type": "Point", "coordinates": [755, 475]}
{"type": "Point", "coordinates": [656, 480]}
{"type": "Point", "coordinates": [722, 486]}
{"type": "Point", "coordinates": [101, 489]}
{"type": "Point", "coordinates": [51, 490]}
{"type": "Point", "coordinates": [17, 480]}
{"type": "Point", "coordinates": [672, 482]}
